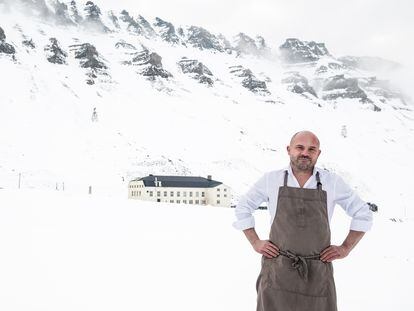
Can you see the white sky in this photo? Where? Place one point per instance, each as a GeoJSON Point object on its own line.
{"type": "Point", "coordinates": [353, 27]}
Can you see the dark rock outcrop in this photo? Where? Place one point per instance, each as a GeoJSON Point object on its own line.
{"type": "Point", "coordinates": [5, 47]}
{"type": "Point", "coordinates": [166, 31]}
{"type": "Point", "coordinates": [247, 45]}
{"type": "Point", "coordinates": [244, 44]}
{"type": "Point", "coordinates": [124, 45]}
{"type": "Point", "coordinates": [114, 19]}
{"type": "Point", "coordinates": [62, 13]}
{"type": "Point", "coordinates": [2, 35]}
{"type": "Point", "coordinates": [197, 70]}
{"type": "Point", "coordinates": [88, 56]}
{"type": "Point", "coordinates": [225, 43]}
{"type": "Point", "coordinates": [93, 18]}
{"type": "Point", "coordinates": [54, 53]}
{"type": "Point", "coordinates": [74, 13]}
{"type": "Point", "coordinates": [204, 40]}
{"type": "Point", "coordinates": [297, 51]}
{"type": "Point", "coordinates": [29, 43]}
{"type": "Point", "coordinates": [249, 81]}
{"type": "Point", "coordinates": [132, 25]}
{"type": "Point", "coordinates": [150, 64]}
{"type": "Point", "coordinates": [330, 66]}
{"type": "Point", "coordinates": [146, 27]}
{"type": "Point", "coordinates": [340, 87]}
{"type": "Point", "coordinates": [297, 83]}
{"type": "Point", "coordinates": [90, 59]}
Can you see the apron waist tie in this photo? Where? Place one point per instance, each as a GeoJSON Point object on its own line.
{"type": "Point", "coordinates": [299, 262]}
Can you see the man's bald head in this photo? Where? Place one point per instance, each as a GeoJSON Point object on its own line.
{"type": "Point", "coordinates": [305, 134]}
{"type": "Point", "coordinates": [303, 151]}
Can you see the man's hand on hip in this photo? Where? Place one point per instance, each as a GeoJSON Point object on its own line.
{"type": "Point", "coordinates": [266, 248]}
{"type": "Point", "coordinates": [334, 252]}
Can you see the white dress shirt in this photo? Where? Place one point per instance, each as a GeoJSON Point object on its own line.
{"type": "Point", "coordinates": [266, 189]}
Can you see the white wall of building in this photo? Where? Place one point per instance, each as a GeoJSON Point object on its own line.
{"type": "Point", "coordinates": [215, 196]}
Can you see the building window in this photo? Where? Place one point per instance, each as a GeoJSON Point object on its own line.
{"type": "Point", "coordinates": [197, 202]}
{"type": "Point", "coordinates": [178, 193]}
{"type": "Point", "coordinates": [203, 202]}
{"type": "Point", "coordinates": [185, 201]}
{"type": "Point", "coordinates": [171, 201]}
{"type": "Point", "coordinates": [158, 193]}
{"type": "Point", "coordinates": [203, 194]}
{"type": "Point", "coordinates": [184, 194]}
{"type": "Point", "coordinates": [165, 193]}
{"type": "Point", "coordinates": [225, 195]}
{"type": "Point", "coordinates": [218, 201]}
{"type": "Point", "coordinates": [151, 193]}
{"type": "Point", "coordinates": [178, 201]}
{"type": "Point", "coordinates": [197, 194]}
{"type": "Point", "coordinates": [139, 192]}
{"type": "Point", "coordinates": [218, 195]}
{"type": "Point", "coordinates": [218, 189]}
{"type": "Point", "coordinates": [225, 189]}
{"type": "Point", "coordinates": [172, 193]}
{"type": "Point", "coordinates": [191, 201]}
{"type": "Point", "coordinates": [191, 193]}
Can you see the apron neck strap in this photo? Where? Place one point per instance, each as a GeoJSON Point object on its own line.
{"type": "Point", "coordinates": [318, 180]}
{"type": "Point", "coordinates": [285, 180]}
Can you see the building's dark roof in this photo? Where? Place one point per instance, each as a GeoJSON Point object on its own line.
{"type": "Point", "coordinates": [179, 181]}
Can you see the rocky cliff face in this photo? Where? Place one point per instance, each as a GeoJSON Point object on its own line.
{"type": "Point", "coordinates": [307, 68]}
{"type": "Point", "coordinates": [249, 80]}
{"type": "Point", "coordinates": [54, 53]}
{"type": "Point", "coordinates": [5, 47]}
{"type": "Point", "coordinates": [297, 51]}
{"type": "Point", "coordinates": [201, 38]}
{"type": "Point", "coordinates": [196, 70]}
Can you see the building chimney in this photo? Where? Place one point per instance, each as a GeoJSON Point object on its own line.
{"type": "Point", "coordinates": [209, 177]}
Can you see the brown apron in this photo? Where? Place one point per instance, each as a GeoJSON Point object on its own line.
{"type": "Point", "coordinates": [297, 280]}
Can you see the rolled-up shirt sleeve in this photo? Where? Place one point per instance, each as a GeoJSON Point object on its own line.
{"type": "Point", "coordinates": [249, 202]}
{"type": "Point", "coordinates": [354, 206]}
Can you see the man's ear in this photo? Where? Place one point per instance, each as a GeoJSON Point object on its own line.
{"type": "Point", "coordinates": [319, 152]}
{"type": "Point", "coordinates": [288, 149]}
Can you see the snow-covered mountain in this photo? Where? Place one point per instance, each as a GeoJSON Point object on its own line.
{"type": "Point", "coordinates": [92, 96]}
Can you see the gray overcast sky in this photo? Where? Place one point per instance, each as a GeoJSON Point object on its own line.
{"type": "Point", "coordinates": [348, 27]}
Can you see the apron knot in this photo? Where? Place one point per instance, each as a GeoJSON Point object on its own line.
{"type": "Point", "coordinates": [299, 262]}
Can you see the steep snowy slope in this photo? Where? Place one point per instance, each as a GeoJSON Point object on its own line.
{"type": "Point", "coordinates": [180, 100]}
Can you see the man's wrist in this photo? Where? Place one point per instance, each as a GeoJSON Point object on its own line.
{"type": "Point", "coordinates": [346, 247]}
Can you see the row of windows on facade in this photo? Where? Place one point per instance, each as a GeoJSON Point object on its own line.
{"type": "Point", "coordinates": [185, 201]}
{"type": "Point", "coordinates": [178, 194]}
{"type": "Point", "coordinates": [141, 186]}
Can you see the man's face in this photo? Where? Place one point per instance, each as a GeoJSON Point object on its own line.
{"type": "Point", "coordinates": [304, 151]}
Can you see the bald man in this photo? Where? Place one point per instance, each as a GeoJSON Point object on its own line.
{"type": "Point", "coordinates": [297, 272]}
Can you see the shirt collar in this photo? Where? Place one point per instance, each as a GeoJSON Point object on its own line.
{"type": "Point", "coordinates": [315, 169]}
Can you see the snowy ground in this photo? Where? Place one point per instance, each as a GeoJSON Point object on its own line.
{"type": "Point", "coordinates": [63, 251]}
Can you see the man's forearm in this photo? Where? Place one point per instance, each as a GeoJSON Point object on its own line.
{"type": "Point", "coordinates": [352, 239]}
{"type": "Point", "coordinates": [251, 235]}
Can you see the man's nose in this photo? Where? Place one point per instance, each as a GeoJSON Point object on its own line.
{"type": "Point", "coordinates": [305, 153]}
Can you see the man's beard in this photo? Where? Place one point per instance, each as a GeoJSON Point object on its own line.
{"type": "Point", "coordinates": [302, 164]}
